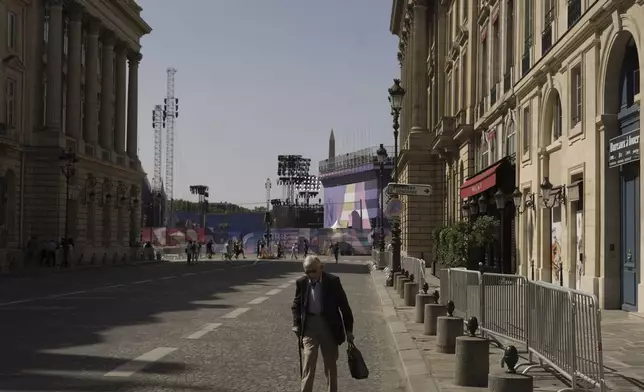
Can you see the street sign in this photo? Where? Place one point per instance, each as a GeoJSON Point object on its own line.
{"type": "Point", "coordinates": [409, 189]}
{"type": "Point", "coordinates": [394, 208]}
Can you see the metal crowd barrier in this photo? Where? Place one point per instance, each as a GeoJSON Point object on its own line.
{"type": "Point", "coordinates": [559, 327]}
{"type": "Point", "coordinates": [382, 260]}
{"type": "Point", "coordinates": [416, 267]}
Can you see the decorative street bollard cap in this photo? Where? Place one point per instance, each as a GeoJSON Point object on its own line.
{"type": "Point", "coordinates": [510, 358]}
{"type": "Point", "coordinates": [411, 278]}
{"type": "Point", "coordinates": [436, 296]}
{"type": "Point", "coordinates": [450, 308]}
{"type": "Point", "coordinates": [472, 326]}
{"type": "Point", "coordinates": [425, 288]}
{"type": "Point", "coordinates": [406, 273]}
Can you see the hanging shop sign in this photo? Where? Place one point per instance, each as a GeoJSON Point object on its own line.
{"type": "Point", "coordinates": [624, 149]}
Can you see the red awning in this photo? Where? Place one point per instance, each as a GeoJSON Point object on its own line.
{"type": "Point", "coordinates": [480, 182]}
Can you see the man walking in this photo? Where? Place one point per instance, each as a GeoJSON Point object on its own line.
{"type": "Point", "coordinates": [321, 315]}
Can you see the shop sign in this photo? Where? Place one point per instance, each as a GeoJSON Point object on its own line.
{"type": "Point", "coordinates": [624, 149]}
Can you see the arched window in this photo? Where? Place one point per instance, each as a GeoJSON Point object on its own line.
{"type": "Point", "coordinates": [509, 137]}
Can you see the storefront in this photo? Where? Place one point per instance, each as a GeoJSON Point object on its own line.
{"type": "Point", "coordinates": [489, 192]}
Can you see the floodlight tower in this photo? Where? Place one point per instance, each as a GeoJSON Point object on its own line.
{"type": "Point", "coordinates": [157, 126]}
{"type": "Point", "coordinates": [170, 113]}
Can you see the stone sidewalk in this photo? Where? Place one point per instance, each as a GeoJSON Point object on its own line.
{"type": "Point", "coordinates": [426, 369]}
{"type": "Point", "coordinates": [429, 371]}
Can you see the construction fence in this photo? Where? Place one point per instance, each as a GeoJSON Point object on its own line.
{"type": "Point", "coordinates": [559, 328]}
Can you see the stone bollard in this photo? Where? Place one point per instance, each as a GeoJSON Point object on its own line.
{"type": "Point", "coordinates": [432, 313]}
{"type": "Point", "coordinates": [448, 328]}
{"type": "Point", "coordinates": [510, 381]}
{"type": "Point", "coordinates": [409, 293]}
{"type": "Point", "coordinates": [396, 276]}
{"type": "Point", "coordinates": [472, 358]}
{"type": "Point", "coordinates": [422, 299]}
{"type": "Point", "coordinates": [401, 285]}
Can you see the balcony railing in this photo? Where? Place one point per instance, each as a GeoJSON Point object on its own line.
{"type": "Point", "coordinates": [574, 12]}
{"type": "Point", "coordinates": [352, 160]}
{"type": "Point", "coordinates": [547, 33]}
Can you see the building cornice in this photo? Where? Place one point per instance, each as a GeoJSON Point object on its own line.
{"type": "Point", "coordinates": [397, 15]}
{"type": "Point", "coordinates": [120, 18]}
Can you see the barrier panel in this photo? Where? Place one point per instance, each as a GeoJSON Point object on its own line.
{"type": "Point", "coordinates": [416, 267]}
{"type": "Point", "coordinates": [560, 327]}
{"type": "Point", "coordinates": [443, 276]}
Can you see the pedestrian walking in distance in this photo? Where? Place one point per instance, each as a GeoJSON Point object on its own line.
{"type": "Point", "coordinates": [321, 316]}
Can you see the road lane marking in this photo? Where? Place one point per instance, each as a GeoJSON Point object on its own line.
{"type": "Point", "coordinates": [208, 328]}
{"type": "Point", "coordinates": [142, 281]}
{"type": "Point", "coordinates": [242, 266]}
{"type": "Point", "coordinates": [274, 291]}
{"type": "Point", "coordinates": [67, 294]}
{"type": "Point", "coordinates": [284, 286]}
{"type": "Point", "coordinates": [140, 363]}
{"type": "Point", "coordinates": [167, 277]}
{"type": "Point", "coordinates": [110, 287]}
{"type": "Point", "coordinates": [190, 273]}
{"type": "Point", "coordinates": [292, 281]}
{"type": "Point", "coordinates": [257, 300]}
{"type": "Point", "coordinates": [235, 313]}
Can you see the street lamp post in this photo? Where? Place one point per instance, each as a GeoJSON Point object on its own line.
{"type": "Point", "coordinates": [68, 168]}
{"type": "Point", "coordinates": [499, 200]}
{"type": "Point", "coordinates": [267, 215]}
{"type": "Point", "coordinates": [382, 157]}
{"type": "Point", "coordinates": [396, 95]}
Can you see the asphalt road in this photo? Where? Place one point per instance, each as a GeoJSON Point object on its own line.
{"type": "Point", "coordinates": [213, 326]}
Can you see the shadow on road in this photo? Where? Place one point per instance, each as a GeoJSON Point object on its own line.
{"type": "Point", "coordinates": [60, 343]}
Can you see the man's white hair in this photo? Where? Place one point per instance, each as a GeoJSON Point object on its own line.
{"type": "Point", "coordinates": [312, 260]}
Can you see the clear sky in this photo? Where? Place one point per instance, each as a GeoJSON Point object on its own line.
{"type": "Point", "coordinates": [258, 78]}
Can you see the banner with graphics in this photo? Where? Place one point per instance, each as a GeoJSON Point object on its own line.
{"type": "Point", "coordinates": [352, 241]}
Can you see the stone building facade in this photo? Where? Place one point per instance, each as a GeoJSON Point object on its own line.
{"type": "Point", "coordinates": [455, 136]}
{"type": "Point", "coordinates": [548, 89]}
{"type": "Point", "coordinates": [578, 95]}
{"type": "Point", "coordinates": [70, 80]}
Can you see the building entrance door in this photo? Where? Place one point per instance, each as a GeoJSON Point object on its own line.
{"type": "Point", "coordinates": [629, 123]}
{"type": "Point", "coordinates": [630, 196]}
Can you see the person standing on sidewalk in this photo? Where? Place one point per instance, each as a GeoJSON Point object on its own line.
{"type": "Point", "coordinates": [321, 315]}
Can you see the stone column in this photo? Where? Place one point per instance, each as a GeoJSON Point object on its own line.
{"type": "Point", "coordinates": [74, 53]}
{"type": "Point", "coordinates": [419, 50]}
{"type": "Point", "coordinates": [133, 104]}
{"type": "Point", "coordinates": [90, 124]}
{"type": "Point", "coordinates": [119, 108]}
{"type": "Point", "coordinates": [107, 91]}
{"type": "Point", "coordinates": [55, 65]}
{"type": "Point", "coordinates": [3, 76]}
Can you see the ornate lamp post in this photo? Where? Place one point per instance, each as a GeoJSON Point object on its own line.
{"type": "Point", "coordinates": [382, 157]}
{"type": "Point", "coordinates": [68, 168]}
{"type": "Point", "coordinates": [396, 95]}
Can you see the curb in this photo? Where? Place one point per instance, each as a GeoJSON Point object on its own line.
{"type": "Point", "coordinates": [417, 373]}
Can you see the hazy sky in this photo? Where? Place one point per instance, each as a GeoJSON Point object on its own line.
{"type": "Point", "coordinates": [258, 78]}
